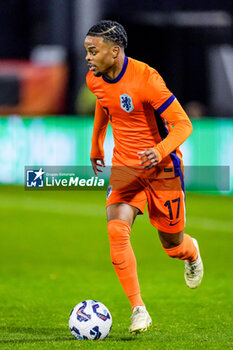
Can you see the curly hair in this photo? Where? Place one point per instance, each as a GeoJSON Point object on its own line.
{"type": "Point", "coordinates": [110, 30]}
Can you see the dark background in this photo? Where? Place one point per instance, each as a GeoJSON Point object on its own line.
{"type": "Point", "coordinates": [179, 51]}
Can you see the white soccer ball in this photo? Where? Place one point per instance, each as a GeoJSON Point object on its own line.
{"type": "Point", "coordinates": [90, 319]}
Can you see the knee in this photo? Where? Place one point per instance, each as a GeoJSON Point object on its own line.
{"type": "Point", "coordinates": [118, 231]}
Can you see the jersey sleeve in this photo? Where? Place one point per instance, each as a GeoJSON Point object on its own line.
{"type": "Point", "coordinates": [170, 111]}
{"type": "Point", "coordinates": [156, 92]}
{"type": "Point", "coordinates": [180, 131]}
{"type": "Point", "coordinates": [99, 132]}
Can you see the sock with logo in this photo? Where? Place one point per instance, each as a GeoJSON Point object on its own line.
{"type": "Point", "coordinates": [123, 260]}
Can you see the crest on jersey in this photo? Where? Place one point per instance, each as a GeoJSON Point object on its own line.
{"type": "Point", "coordinates": [126, 103]}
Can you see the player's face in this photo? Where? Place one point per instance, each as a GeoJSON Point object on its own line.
{"type": "Point", "coordinates": [100, 55]}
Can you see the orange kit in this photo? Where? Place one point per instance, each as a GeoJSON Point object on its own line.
{"type": "Point", "coordinates": [143, 114]}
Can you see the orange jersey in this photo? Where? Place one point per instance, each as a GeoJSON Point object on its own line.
{"type": "Point", "coordinates": [143, 114]}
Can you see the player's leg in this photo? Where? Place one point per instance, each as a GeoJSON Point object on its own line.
{"type": "Point", "coordinates": [169, 240]}
{"type": "Point", "coordinates": [125, 200]}
{"type": "Point", "coordinates": [178, 245]}
{"type": "Point", "coordinates": [122, 211]}
{"type": "Point", "coordinates": [167, 213]}
{"type": "Point", "coordinates": [182, 246]}
{"type": "Point", "coordinates": [120, 218]}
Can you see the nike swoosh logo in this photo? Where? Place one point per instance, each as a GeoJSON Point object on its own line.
{"type": "Point", "coordinates": [173, 224]}
{"type": "Point", "coordinates": [118, 263]}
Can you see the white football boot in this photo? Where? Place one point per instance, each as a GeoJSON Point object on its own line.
{"type": "Point", "coordinates": [141, 320]}
{"type": "Point", "coordinates": [194, 270]}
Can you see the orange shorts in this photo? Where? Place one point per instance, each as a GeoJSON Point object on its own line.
{"type": "Point", "coordinates": [165, 197]}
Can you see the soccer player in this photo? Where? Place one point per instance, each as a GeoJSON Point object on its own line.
{"type": "Point", "coordinates": [148, 126]}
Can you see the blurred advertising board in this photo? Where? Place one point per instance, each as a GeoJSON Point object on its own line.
{"type": "Point", "coordinates": [66, 141]}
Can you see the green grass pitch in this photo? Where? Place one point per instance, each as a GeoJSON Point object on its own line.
{"type": "Point", "coordinates": [54, 253]}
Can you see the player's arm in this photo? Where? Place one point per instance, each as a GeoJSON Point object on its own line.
{"type": "Point", "coordinates": [170, 110]}
{"type": "Point", "coordinates": [182, 129]}
{"type": "Point", "coordinates": [99, 131]}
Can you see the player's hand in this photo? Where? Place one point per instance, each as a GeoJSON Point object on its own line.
{"type": "Point", "coordinates": [149, 157]}
{"type": "Point", "coordinates": [96, 163]}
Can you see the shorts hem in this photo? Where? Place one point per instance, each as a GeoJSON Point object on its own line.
{"type": "Point", "coordinates": [167, 229]}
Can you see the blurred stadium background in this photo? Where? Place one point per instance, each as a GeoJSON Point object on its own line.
{"type": "Point", "coordinates": [42, 73]}
{"type": "Point", "coordinates": [46, 118]}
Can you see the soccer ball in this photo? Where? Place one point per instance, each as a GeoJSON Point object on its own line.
{"type": "Point", "coordinates": [90, 319]}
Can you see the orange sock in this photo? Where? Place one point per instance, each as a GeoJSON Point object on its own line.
{"type": "Point", "coordinates": [184, 251]}
{"type": "Point", "coordinates": [123, 260]}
